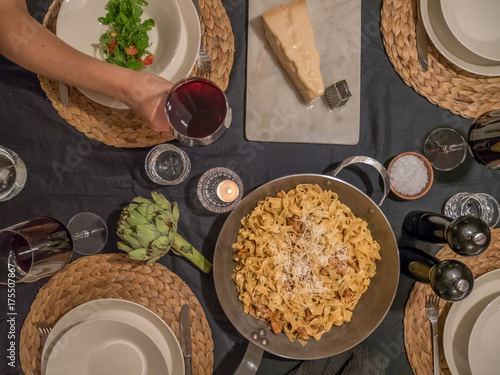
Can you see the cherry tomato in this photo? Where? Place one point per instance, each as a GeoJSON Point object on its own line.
{"type": "Point", "coordinates": [148, 60]}
{"type": "Point", "coordinates": [112, 46]}
{"type": "Point", "coordinates": [132, 50]}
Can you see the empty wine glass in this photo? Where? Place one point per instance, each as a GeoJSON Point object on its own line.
{"type": "Point", "coordinates": [41, 246]}
{"type": "Point", "coordinates": [446, 148]}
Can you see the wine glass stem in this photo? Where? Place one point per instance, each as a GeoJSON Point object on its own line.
{"type": "Point", "coordinates": [84, 234]}
{"type": "Point", "coordinates": [451, 148]}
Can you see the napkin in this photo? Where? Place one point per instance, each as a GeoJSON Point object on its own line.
{"type": "Point", "coordinates": [360, 360]}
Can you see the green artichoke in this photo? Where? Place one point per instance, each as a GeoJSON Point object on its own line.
{"type": "Point", "coordinates": [148, 230]}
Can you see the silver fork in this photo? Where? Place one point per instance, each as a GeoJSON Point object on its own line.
{"type": "Point", "coordinates": [432, 312]}
{"type": "Point", "coordinates": [44, 329]}
{"type": "Point", "coordinates": [203, 64]}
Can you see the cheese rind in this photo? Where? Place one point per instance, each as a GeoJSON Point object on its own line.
{"type": "Point", "coordinates": [290, 34]}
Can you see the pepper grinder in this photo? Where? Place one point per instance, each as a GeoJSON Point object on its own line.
{"type": "Point", "coordinates": [466, 235]}
{"type": "Point", "coordinates": [450, 279]}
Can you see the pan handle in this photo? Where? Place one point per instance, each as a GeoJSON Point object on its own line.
{"type": "Point", "coordinates": [251, 360]}
{"type": "Point", "coordinates": [375, 164]}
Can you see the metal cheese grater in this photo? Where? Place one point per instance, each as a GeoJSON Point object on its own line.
{"type": "Point", "coordinates": [337, 94]}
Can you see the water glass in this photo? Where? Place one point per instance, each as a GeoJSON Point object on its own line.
{"type": "Point", "coordinates": [167, 165]}
{"type": "Point", "coordinates": [481, 205]}
{"type": "Point", "coordinates": [198, 111]}
{"type": "Point", "coordinates": [12, 174]}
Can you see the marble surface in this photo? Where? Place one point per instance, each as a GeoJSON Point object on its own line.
{"type": "Point", "coordinates": [275, 111]}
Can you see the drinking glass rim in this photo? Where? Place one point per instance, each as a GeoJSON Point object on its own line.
{"type": "Point", "coordinates": [184, 82]}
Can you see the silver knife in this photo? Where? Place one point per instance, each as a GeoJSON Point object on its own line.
{"type": "Point", "coordinates": [63, 93]}
{"type": "Point", "coordinates": [186, 339]}
{"type": "Point", "coordinates": [421, 39]}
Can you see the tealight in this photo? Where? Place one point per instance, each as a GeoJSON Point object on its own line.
{"type": "Point", "coordinates": [227, 191]}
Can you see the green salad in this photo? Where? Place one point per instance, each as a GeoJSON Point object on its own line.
{"type": "Point", "coordinates": [125, 43]}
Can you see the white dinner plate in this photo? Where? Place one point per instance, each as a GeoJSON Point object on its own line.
{"type": "Point", "coordinates": [104, 347]}
{"type": "Point", "coordinates": [484, 356]}
{"type": "Point", "coordinates": [475, 24]}
{"type": "Point", "coordinates": [175, 39]}
{"type": "Point", "coordinates": [125, 311]}
{"type": "Point", "coordinates": [461, 319]}
{"type": "Point", "coordinates": [449, 46]}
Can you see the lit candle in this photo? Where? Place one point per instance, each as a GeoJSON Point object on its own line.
{"type": "Point", "coordinates": [227, 191]}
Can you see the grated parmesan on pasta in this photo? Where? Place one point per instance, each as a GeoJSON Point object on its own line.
{"type": "Point", "coordinates": [303, 260]}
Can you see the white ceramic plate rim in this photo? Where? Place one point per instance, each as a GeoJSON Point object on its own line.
{"type": "Point", "coordinates": [468, 60]}
{"type": "Point", "coordinates": [184, 60]}
{"type": "Point", "coordinates": [128, 312]}
{"type": "Point", "coordinates": [475, 25]}
{"type": "Point", "coordinates": [486, 288]}
{"type": "Point", "coordinates": [481, 358]}
{"type": "Point", "coordinates": [77, 347]}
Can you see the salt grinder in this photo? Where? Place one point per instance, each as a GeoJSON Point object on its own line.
{"type": "Point", "coordinates": [451, 280]}
{"type": "Point", "coordinates": [466, 235]}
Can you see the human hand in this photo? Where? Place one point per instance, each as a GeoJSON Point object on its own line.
{"type": "Point", "coordinates": [146, 95]}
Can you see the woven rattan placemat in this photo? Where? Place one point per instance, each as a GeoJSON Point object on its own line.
{"type": "Point", "coordinates": [123, 128]}
{"type": "Point", "coordinates": [116, 276]}
{"type": "Point", "coordinates": [417, 340]}
{"type": "Point", "coordinates": [444, 84]}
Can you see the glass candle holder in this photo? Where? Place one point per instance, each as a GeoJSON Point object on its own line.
{"type": "Point", "coordinates": [167, 165]}
{"type": "Point", "coordinates": [481, 205]}
{"type": "Point", "coordinates": [219, 190]}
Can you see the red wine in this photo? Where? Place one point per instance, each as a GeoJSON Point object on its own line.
{"type": "Point", "coordinates": [18, 246]}
{"type": "Point", "coordinates": [39, 245]}
{"type": "Point", "coordinates": [484, 143]}
{"type": "Point", "coordinates": [197, 108]}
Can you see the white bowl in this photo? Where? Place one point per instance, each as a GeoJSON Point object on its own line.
{"type": "Point", "coordinates": [175, 39]}
{"type": "Point", "coordinates": [475, 25]}
{"type": "Point", "coordinates": [449, 46]}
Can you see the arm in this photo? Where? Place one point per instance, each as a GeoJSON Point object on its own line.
{"type": "Point", "coordinates": [27, 43]}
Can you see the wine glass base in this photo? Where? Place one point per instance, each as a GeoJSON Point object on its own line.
{"type": "Point", "coordinates": [89, 233]}
{"type": "Point", "coordinates": [433, 149]}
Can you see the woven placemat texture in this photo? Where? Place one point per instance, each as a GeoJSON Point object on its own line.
{"type": "Point", "coordinates": [123, 128]}
{"type": "Point", "coordinates": [444, 84]}
{"type": "Point", "coordinates": [116, 276]}
{"type": "Point", "coordinates": [417, 339]}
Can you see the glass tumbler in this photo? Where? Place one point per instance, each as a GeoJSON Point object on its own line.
{"type": "Point", "coordinates": [167, 165]}
{"type": "Point", "coordinates": [12, 174]}
{"type": "Point", "coordinates": [480, 205]}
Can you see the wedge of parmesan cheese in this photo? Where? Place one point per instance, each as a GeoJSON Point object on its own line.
{"type": "Point", "coordinates": [289, 31]}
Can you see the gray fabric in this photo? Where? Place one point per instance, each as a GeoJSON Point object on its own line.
{"type": "Point", "coordinates": [360, 360]}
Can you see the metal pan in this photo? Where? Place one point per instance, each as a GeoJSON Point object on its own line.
{"type": "Point", "coordinates": [373, 305]}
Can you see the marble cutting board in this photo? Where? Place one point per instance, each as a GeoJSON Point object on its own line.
{"type": "Point", "coordinates": [275, 111]}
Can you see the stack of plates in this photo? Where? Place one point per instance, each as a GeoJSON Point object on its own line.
{"type": "Point", "coordinates": [472, 329]}
{"type": "Point", "coordinates": [111, 336]}
{"type": "Point", "coordinates": [465, 32]}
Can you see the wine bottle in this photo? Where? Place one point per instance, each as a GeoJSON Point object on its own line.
{"type": "Point", "coordinates": [466, 235]}
{"type": "Point", "coordinates": [450, 279]}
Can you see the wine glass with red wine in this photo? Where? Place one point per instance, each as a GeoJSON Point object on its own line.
{"type": "Point", "coordinates": [446, 148]}
{"type": "Point", "coordinates": [42, 246]}
{"type": "Point", "coordinates": [198, 111]}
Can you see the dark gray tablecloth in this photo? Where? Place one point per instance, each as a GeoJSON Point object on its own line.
{"type": "Point", "coordinates": [69, 173]}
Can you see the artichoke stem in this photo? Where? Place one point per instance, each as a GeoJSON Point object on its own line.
{"type": "Point", "coordinates": [184, 248]}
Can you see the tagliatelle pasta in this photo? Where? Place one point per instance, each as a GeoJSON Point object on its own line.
{"type": "Point", "coordinates": [303, 260]}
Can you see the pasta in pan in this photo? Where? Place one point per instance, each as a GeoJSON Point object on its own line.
{"type": "Point", "coordinates": [303, 260]}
